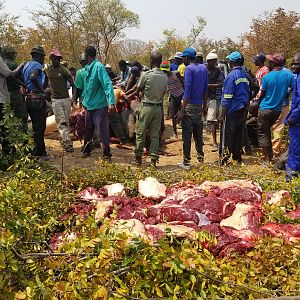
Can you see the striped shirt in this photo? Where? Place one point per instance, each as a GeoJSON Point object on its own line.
{"type": "Point", "coordinates": [174, 85]}
{"type": "Point", "coordinates": [259, 75]}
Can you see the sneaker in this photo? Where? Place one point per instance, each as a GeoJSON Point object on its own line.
{"type": "Point", "coordinates": [85, 154]}
{"type": "Point", "coordinates": [153, 163]}
{"type": "Point", "coordinates": [214, 148]}
{"type": "Point", "coordinates": [186, 167]}
{"type": "Point", "coordinates": [44, 157]}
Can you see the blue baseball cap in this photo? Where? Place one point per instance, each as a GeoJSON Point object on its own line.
{"type": "Point", "coordinates": [234, 56]}
{"type": "Point", "coordinates": [189, 52]}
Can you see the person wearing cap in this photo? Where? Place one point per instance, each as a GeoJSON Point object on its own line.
{"type": "Point", "coordinates": [199, 58]}
{"type": "Point", "coordinates": [173, 64]}
{"type": "Point", "coordinates": [234, 101]}
{"type": "Point", "coordinates": [98, 101]}
{"type": "Point", "coordinates": [259, 61]}
{"type": "Point", "coordinates": [14, 85]}
{"type": "Point", "coordinates": [79, 80]}
{"type": "Point", "coordinates": [153, 84]}
{"type": "Point", "coordinates": [35, 99]}
{"type": "Point", "coordinates": [59, 76]}
{"type": "Point", "coordinates": [293, 121]}
{"type": "Point", "coordinates": [176, 91]}
{"type": "Point", "coordinates": [181, 65]}
{"type": "Point", "coordinates": [125, 72]}
{"type": "Point", "coordinates": [112, 75]}
{"type": "Point", "coordinates": [5, 72]}
{"type": "Point", "coordinates": [215, 84]}
{"type": "Point", "coordinates": [194, 103]}
{"type": "Point", "coordinates": [275, 87]}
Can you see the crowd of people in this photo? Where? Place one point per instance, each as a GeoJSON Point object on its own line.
{"type": "Point", "coordinates": [248, 110]}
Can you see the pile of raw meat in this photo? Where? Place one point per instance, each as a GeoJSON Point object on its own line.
{"type": "Point", "coordinates": [229, 210]}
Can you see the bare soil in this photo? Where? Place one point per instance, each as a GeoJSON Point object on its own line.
{"type": "Point", "coordinates": [173, 147]}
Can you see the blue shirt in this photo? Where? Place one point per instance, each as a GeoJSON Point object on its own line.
{"type": "Point", "coordinates": [98, 88]}
{"type": "Point", "coordinates": [27, 70]}
{"type": "Point", "coordinates": [294, 114]}
{"type": "Point", "coordinates": [195, 83]}
{"type": "Point", "coordinates": [173, 67]}
{"type": "Point", "coordinates": [276, 85]}
{"type": "Point", "coordinates": [235, 90]}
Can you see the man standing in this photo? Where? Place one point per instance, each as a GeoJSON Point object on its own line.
{"type": "Point", "coordinates": [98, 100]}
{"type": "Point", "coordinates": [275, 86]}
{"type": "Point", "coordinates": [5, 98]}
{"type": "Point", "coordinates": [293, 120]}
{"type": "Point", "coordinates": [58, 77]}
{"type": "Point", "coordinates": [14, 84]}
{"type": "Point", "coordinates": [259, 61]}
{"type": "Point", "coordinates": [153, 85]}
{"type": "Point", "coordinates": [125, 72]}
{"type": "Point", "coordinates": [35, 100]}
{"type": "Point", "coordinates": [175, 90]}
{"type": "Point", "coordinates": [79, 80]}
{"type": "Point", "coordinates": [215, 83]}
{"type": "Point", "coordinates": [194, 102]}
{"type": "Point", "coordinates": [234, 102]}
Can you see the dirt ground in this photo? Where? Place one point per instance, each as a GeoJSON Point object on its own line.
{"type": "Point", "coordinates": [124, 156]}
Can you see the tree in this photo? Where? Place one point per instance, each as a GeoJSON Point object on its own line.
{"type": "Point", "coordinates": [105, 22]}
{"type": "Point", "coordinates": [10, 30]}
{"type": "Point", "coordinates": [276, 31]}
{"type": "Point", "coordinates": [72, 24]}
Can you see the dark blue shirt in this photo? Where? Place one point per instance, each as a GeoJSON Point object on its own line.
{"type": "Point", "coordinates": [195, 83]}
{"type": "Point", "coordinates": [173, 67]}
{"type": "Point", "coordinates": [28, 69]}
{"type": "Point", "coordinates": [294, 114]}
{"type": "Point", "coordinates": [235, 90]}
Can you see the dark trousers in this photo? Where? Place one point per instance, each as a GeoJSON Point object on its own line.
{"type": "Point", "coordinates": [36, 108]}
{"type": "Point", "coordinates": [231, 135]}
{"type": "Point", "coordinates": [97, 121]}
{"type": "Point", "coordinates": [116, 125]}
{"type": "Point", "coordinates": [192, 126]}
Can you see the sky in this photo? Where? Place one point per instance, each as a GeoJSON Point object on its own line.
{"type": "Point", "coordinates": [225, 18]}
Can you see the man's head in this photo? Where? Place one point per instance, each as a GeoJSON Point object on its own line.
{"type": "Point", "coordinates": [212, 59]}
{"type": "Point", "coordinates": [8, 52]}
{"type": "Point", "coordinates": [135, 63]}
{"type": "Point", "coordinates": [90, 53]}
{"type": "Point", "coordinates": [155, 60]}
{"type": "Point", "coordinates": [199, 58]}
{"type": "Point", "coordinates": [276, 60]}
{"type": "Point", "coordinates": [55, 58]}
{"type": "Point", "coordinates": [122, 65]}
{"type": "Point", "coordinates": [259, 59]}
{"type": "Point", "coordinates": [235, 59]}
{"type": "Point", "coordinates": [189, 55]}
{"type": "Point", "coordinates": [83, 60]}
{"type": "Point", "coordinates": [38, 54]}
{"type": "Point", "coordinates": [135, 71]}
{"type": "Point", "coordinates": [296, 64]}
{"type": "Point", "coordinates": [178, 58]}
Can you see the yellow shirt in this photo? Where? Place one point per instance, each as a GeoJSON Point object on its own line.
{"type": "Point", "coordinates": [181, 69]}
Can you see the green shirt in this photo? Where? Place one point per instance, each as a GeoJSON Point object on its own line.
{"type": "Point", "coordinates": [58, 78]}
{"type": "Point", "coordinates": [12, 84]}
{"type": "Point", "coordinates": [153, 84]}
{"type": "Point", "coordinates": [98, 88]}
{"type": "Point", "coordinates": [79, 81]}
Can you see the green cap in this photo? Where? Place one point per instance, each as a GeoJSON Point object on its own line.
{"type": "Point", "coordinates": [8, 50]}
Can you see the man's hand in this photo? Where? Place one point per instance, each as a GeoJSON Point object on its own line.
{"type": "Point", "coordinates": [180, 115]}
{"type": "Point", "coordinates": [111, 108]}
{"type": "Point", "coordinates": [205, 109]}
